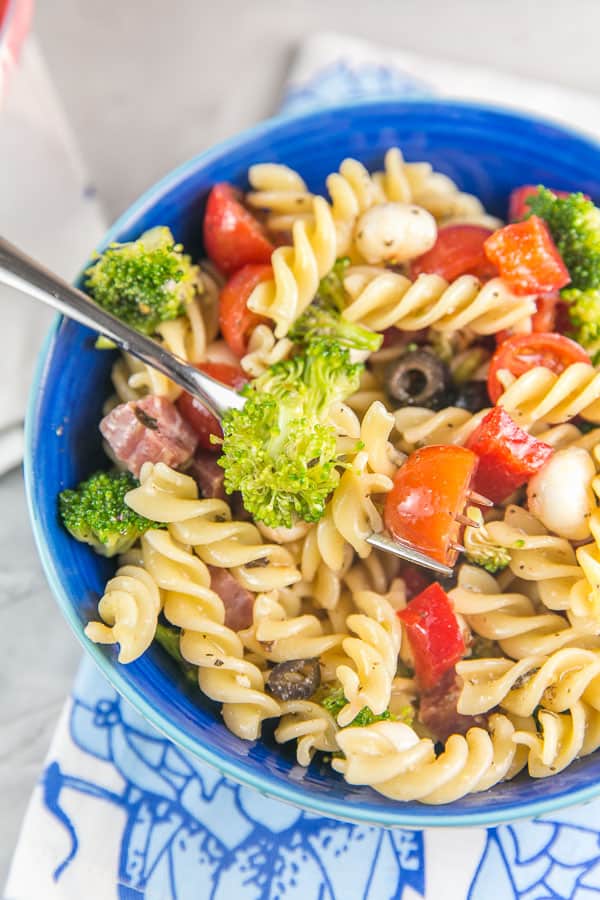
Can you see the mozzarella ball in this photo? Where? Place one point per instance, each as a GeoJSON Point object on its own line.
{"type": "Point", "coordinates": [394, 233]}
{"type": "Point", "coordinates": [560, 495]}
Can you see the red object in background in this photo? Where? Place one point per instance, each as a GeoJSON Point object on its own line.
{"type": "Point", "coordinates": [236, 321]}
{"type": "Point", "coordinates": [233, 237]}
{"type": "Point", "coordinates": [517, 205]}
{"type": "Point", "coordinates": [434, 633]}
{"type": "Point", "coordinates": [15, 19]}
{"type": "Point", "coordinates": [522, 352]}
{"type": "Point", "coordinates": [527, 257]}
{"type": "Point", "coordinates": [429, 491]}
{"type": "Point", "coordinates": [457, 251]}
{"type": "Point", "coordinates": [508, 456]}
{"type": "Point", "coordinates": [201, 420]}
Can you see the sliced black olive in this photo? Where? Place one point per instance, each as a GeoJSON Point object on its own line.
{"type": "Point", "coordinates": [296, 679]}
{"type": "Point", "coordinates": [472, 396]}
{"type": "Point", "coordinates": [419, 378]}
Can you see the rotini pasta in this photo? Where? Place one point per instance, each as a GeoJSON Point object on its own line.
{"type": "Point", "coordinates": [374, 654]}
{"type": "Point", "coordinates": [129, 611]}
{"type": "Point", "coordinates": [540, 395]}
{"type": "Point", "coordinates": [391, 758]}
{"type": "Point", "coordinates": [390, 300]}
{"type": "Point", "coordinates": [512, 619]}
{"type": "Point", "coordinates": [281, 193]}
{"type": "Point", "coordinates": [297, 270]}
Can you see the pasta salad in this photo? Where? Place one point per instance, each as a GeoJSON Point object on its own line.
{"type": "Point", "coordinates": [410, 365]}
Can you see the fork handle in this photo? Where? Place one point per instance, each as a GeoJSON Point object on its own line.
{"type": "Point", "coordinates": [17, 270]}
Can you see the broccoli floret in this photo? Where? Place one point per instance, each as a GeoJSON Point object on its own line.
{"type": "Point", "coordinates": [97, 514]}
{"type": "Point", "coordinates": [574, 224]}
{"type": "Point", "coordinates": [168, 638]}
{"type": "Point", "coordinates": [144, 282]}
{"type": "Point", "coordinates": [324, 319]}
{"type": "Point", "coordinates": [584, 313]}
{"type": "Point", "coordinates": [278, 450]}
{"type": "Point", "coordinates": [480, 548]}
{"type": "Point", "coordinates": [333, 700]}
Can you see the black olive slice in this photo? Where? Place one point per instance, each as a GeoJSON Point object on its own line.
{"type": "Point", "coordinates": [296, 679]}
{"type": "Point", "coordinates": [472, 396]}
{"type": "Point", "coordinates": [419, 378]}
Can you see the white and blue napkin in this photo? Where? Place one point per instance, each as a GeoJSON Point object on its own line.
{"type": "Point", "coordinates": [120, 812]}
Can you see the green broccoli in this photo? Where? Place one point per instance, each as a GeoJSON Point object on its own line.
{"type": "Point", "coordinates": [574, 224]}
{"type": "Point", "coordinates": [168, 638]}
{"type": "Point", "coordinates": [278, 450]}
{"type": "Point", "coordinates": [97, 514]}
{"type": "Point", "coordinates": [144, 282]}
{"type": "Point", "coordinates": [324, 317]}
{"type": "Point", "coordinates": [479, 546]}
{"type": "Point", "coordinates": [332, 698]}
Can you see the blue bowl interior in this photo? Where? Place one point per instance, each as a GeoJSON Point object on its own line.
{"type": "Point", "coordinates": [487, 152]}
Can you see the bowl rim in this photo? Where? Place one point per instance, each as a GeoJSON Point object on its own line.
{"type": "Point", "coordinates": [365, 813]}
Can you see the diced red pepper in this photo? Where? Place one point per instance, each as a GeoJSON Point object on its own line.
{"type": "Point", "coordinates": [429, 491]}
{"type": "Point", "coordinates": [527, 258]}
{"type": "Point", "coordinates": [517, 204]}
{"type": "Point", "coordinates": [508, 456]}
{"type": "Point", "coordinates": [434, 633]}
{"type": "Point", "coordinates": [457, 251]}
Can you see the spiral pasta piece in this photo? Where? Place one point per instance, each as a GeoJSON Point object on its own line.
{"type": "Point", "coordinates": [418, 183]}
{"type": "Point", "coordinates": [264, 350]}
{"type": "Point", "coordinates": [278, 637]}
{"type": "Point", "coordinates": [165, 495]}
{"type": "Point", "coordinates": [563, 737]}
{"type": "Point", "coordinates": [585, 595]}
{"type": "Point", "coordinates": [310, 725]}
{"type": "Point", "coordinates": [281, 193]}
{"type": "Point", "coordinates": [223, 673]}
{"type": "Point", "coordinates": [297, 270]}
{"type": "Point", "coordinates": [390, 300]}
{"type": "Point", "coordinates": [129, 610]}
{"type": "Point", "coordinates": [512, 619]}
{"type": "Point", "coordinates": [541, 395]}
{"type": "Point", "coordinates": [420, 427]}
{"type": "Point", "coordinates": [391, 758]}
{"type": "Point", "coordinates": [535, 555]}
{"type": "Point", "coordinates": [374, 654]}
{"type": "Point", "coordinates": [554, 682]}
{"type": "Point", "coordinates": [353, 512]}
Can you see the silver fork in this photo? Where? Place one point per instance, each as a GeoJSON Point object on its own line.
{"type": "Point", "coordinates": [17, 270]}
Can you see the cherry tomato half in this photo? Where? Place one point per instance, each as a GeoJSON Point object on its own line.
{"type": "Point", "coordinates": [458, 250]}
{"type": "Point", "coordinates": [429, 491]}
{"type": "Point", "coordinates": [522, 352]}
{"type": "Point", "coordinates": [202, 421]}
{"type": "Point", "coordinates": [233, 237]}
{"type": "Point", "coordinates": [236, 321]}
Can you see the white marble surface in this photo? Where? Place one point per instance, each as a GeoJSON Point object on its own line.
{"type": "Point", "coordinates": [147, 84]}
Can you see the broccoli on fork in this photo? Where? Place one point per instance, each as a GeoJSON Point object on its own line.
{"type": "Point", "coordinates": [324, 317]}
{"type": "Point", "coordinates": [144, 282]}
{"type": "Point", "coordinates": [279, 450]}
{"type": "Point", "coordinates": [96, 513]}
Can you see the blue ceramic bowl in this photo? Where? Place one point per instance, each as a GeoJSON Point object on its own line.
{"type": "Point", "coordinates": [487, 152]}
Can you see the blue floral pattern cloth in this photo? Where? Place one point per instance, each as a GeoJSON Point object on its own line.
{"type": "Point", "coordinates": [121, 812]}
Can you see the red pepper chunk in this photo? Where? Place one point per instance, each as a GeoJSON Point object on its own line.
{"type": "Point", "coordinates": [429, 491]}
{"type": "Point", "coordinates": [434, 633]}
{"type": "Point", "coordinates": [508, 456]}
{"type": "Point", "coordinates": [527, 257]}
